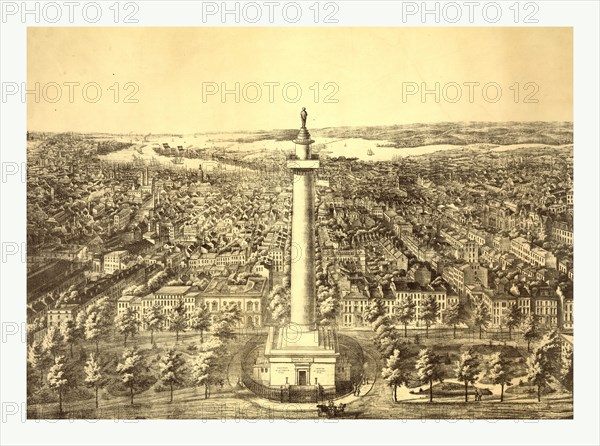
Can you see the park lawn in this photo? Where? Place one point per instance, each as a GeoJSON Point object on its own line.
{"type": "Point", "coordinates": [491, 409]}
{"type": "Point", "coordinates": [528, 390]}
{"type": "Point", "coordinates": [450, 355]}
{"type": "Point", "coordinates": [450, 389]}
{"type": "Point", "coordinates": [188, 403]}
{"type": "Point", "coordinates": [225, 403]}
{"type": "Point", "coordinates": [110, 354]}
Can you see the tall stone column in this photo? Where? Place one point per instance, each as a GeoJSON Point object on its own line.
{"type": "Point", "coordinates": [303, 288]}
{"type": "Point", "coordinates": [303, 352]}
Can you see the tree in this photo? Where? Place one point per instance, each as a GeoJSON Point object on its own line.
{"type": "Point", "coordinates": [328, 309]}
{"type": "Point", "coordinates": [537, 371]}
{"type": "Point", "coordinates": [223, 324]}
{"type": "Point", "coordinates": [566, 372]}
{"type": "Point", "coordinates": [202, 370]}
{"type": "Point", "coordinates": [405, 312]}
{"type": "Point", "coordinates": [95, 327]}
{"type": "Point", "coordinates": [429, 312]}
{"type": "Point", "coordinates": [104, 307]}
{"type": "Point", "coordinates": [154, 319]}
{"type": "Point", "coordinates": [468, 370]}
{"type": "Point", "coordinates": [130, 369]}
{"type": "Point", "coordinates": [512, 319]}
{"type": "Point", "coordinates": [386, 337]}
{"type": "Point", "coordinates": [373, 311]}
{"type": "Point", "coordinates": [428, 369]}
{"type": "Point", "coordinates": [127, 324]}
{"type": "Point", "coordinates": [39, 359]}
{"type": "Point", "coordinates": [57, 380]}
{"type": "Point", "coordinates": [454, 314]}
{"type": "Point", "coordinates": [80, 323]}
{"type": "Point", "coordinates": [529, 329]}
{"type": "Point", "coordinates": [171, 367]}
{"type": "Point", "coordinates": [200, 320]}
{"type": "Point", "coordinates": [381, 325]}
{"type": "Point", "coordinates": [279, 304]}
{"type": "Point", "coordinates": [92, 374]}
{"type": "Point", "coordinates": [232, 314]}
{"type": "Point", "coordinates": [221, 329]}
{"type": "Point", "coordinates": [177, 319]}
{"type": "Point", "coordinates": [32, 327]}
{"type": "Point", "coordinates": [68, 331]}
{"type": "Point", "coordinates": [392, 373]}
{"type": "Point", "coordinates": [481, 316]}
{"type": "Point", "coordinates": [498, 372]}
{"type": "Point", "coordinates": [53, 341]}
{"type": "Point", "coordinates": [550, 346]}
{"type": "Point", "coordinates": [204, 365]}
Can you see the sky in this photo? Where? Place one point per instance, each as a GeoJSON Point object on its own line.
{"type": "Point", "coordinates": [343, 76]}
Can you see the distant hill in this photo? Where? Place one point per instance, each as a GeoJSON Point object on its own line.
{"type": "Point", "coordinates": [415, 135]}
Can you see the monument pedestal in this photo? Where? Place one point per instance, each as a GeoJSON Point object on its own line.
{"type": "Point", "coordinates": [302, 357]}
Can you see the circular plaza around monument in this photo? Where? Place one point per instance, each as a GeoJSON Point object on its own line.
{"type": "Point", "coordinates": [350, 372]}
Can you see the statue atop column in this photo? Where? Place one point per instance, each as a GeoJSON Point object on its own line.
{"type": "Point", "coordinates": [303, 116]}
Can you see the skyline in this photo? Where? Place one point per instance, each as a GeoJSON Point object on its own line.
{"type": "Point", "coordinates": [170, 67]}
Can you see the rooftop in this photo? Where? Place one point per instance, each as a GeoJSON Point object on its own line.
{"type": "Point", "coordinates": [180, 289]}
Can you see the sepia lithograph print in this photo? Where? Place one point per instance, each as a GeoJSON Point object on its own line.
{"type": "Point", "coordinates": [280, 223]}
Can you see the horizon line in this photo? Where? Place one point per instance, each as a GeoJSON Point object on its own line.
{"type": "Point", "coordinates": [293, 128]}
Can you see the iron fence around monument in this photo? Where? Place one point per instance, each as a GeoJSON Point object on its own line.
{"type": "Point", "coordinates": [297, 394]}
{"type": "Point", "coordinates": [261, 390]}
{"type": "Point", "coordinates": [292, 393]}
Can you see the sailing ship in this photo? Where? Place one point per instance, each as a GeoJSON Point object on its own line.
{"type": "Point", "coordinates": [370, 152]}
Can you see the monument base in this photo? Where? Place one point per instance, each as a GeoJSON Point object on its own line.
{"type": "Point", "coordinates": [301, 356]}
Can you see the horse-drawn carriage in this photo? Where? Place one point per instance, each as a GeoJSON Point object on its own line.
{"type": "Point", "coordinates": [330, 410]}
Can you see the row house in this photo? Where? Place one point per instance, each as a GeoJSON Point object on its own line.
{"type": "Point", "coordinates": [352, 308]}
{"type": "Point", "coordinates": [220, 292]}
{"type": "Point", "coordinates": [534, 255]}
{"type": "Point", "coordinates": [461, 276]}
{"type": "Point", "coordinates": [562, 232]}
{"type": "Point", "coordinates": [202, 260]}
{"type": "Point", "coordinates": [565, 266]}
{"type": "Point", "coordinates": [354, 303]}
{"type": "Point", "coordinates": [479, 236]}
{"type": "Point", "coordinates": [421, 251]}
{"type": "Point", "coordinates": [111, 287]}
{"type": "Point", "coordinates": [543, 302]}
